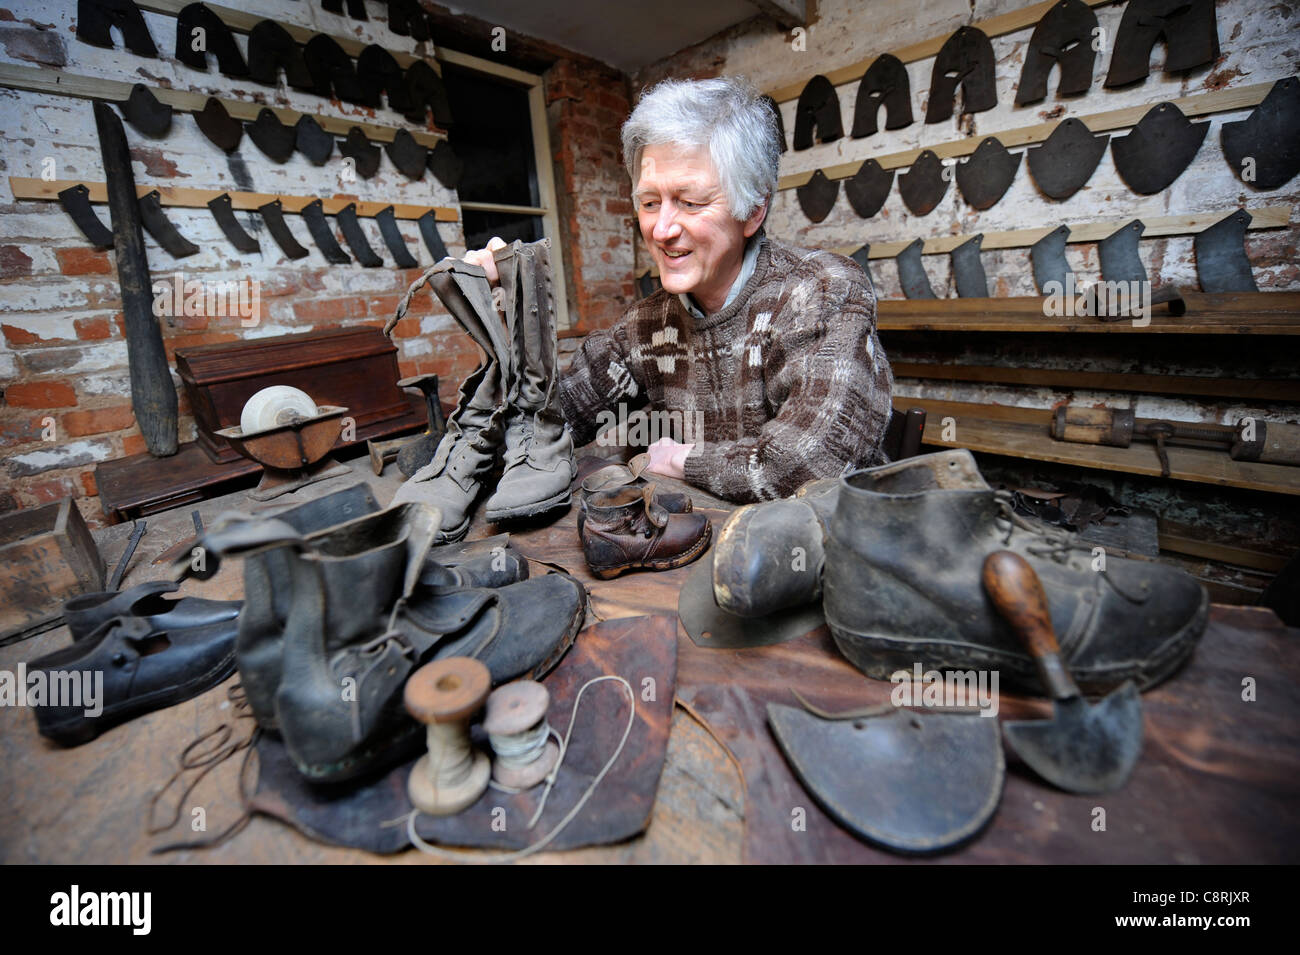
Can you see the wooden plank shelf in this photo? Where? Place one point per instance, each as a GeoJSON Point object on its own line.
{"type": "Point", "coordinates": [1243, 389]}
{"type": "Point", "coordinates": [182, 197]}
{"type": "Point", "coordinates": [184, 101]}
{"type": "Point", "coordinates": [1023, 433]}
{"type": "Point", "coordinates": [1261, 217]}
{"type": "Point", "coordinates": [1228, 313]}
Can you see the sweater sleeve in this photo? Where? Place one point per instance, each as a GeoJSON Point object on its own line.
{"type": "Point", "coordinates": [825, 372]}
{"type": "Point", "coordinates": [599, 377]}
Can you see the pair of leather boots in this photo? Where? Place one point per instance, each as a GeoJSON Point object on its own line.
{"type": "Point", "coordinates": [509, 404]}
{"type": "Point", "coordinates": [343, 601]}
{"type": "Point", "coordinates": [628, 523]}
{"type": "Point", "coordinates": [895, 553]}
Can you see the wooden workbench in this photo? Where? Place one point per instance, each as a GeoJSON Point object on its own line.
{"type": "Point", "coordinates": [1218, 781]}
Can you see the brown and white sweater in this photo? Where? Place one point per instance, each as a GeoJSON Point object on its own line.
{"type": "Point", "coordinates": [789, 381]}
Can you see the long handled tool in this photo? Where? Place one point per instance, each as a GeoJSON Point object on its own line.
{"type": "Point", "coordinates": [1083, 748]}
{"type": "Point", "coordinates": [1272, 442]}
{"type": "Point", "coordinates": [153, 396]}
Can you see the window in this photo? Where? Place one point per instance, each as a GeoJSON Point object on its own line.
{"type": "Point", "coordinates": [500, 133]}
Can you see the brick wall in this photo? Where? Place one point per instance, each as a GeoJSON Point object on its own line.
{"type": "Point", "coordinates": [64, 383]}
{"type": "Point", "coordinates": [585, 109]}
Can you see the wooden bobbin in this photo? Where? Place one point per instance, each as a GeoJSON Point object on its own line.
{"type": "Point", "coordinates": [513, 709]}
{"type": "Point", "coordinates": [444, 695]}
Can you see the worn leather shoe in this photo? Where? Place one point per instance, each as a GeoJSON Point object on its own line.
{"type": "Point", "coordinates": [626, 528]}
{"type": "Point", "coordinates": [138, 668]}
{"type": "Point", "coordinates": [86, 613]}
{"type": "Point", "coordinates": [902, 585]}
{"type": "Point", "coordinates": [517, 631]}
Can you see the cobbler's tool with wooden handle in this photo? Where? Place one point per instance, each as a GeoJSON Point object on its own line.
{"type": "Point", "coordinates": [1084, 747]}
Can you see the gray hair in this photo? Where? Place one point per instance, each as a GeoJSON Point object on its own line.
{"type": "Point", "coordinates": [730, 117]}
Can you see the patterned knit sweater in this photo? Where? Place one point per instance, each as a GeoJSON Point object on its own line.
{"type": "Point", "coordinates": [787, 383]}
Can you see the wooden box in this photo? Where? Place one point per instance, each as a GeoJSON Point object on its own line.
{"type": "Point", "coordinates": [352, 367]}
{"type": "Point", "coordinates": [46, 556]}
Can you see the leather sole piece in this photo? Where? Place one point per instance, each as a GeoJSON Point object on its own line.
{"type": "Point", "coordinates": [668, 563]}
{"type": "Point", "coordinates": [881, 656]}
{"type": "Point", "coordinates": [564, 499]}
{"type": "Point", "coordinates": [85, 730]}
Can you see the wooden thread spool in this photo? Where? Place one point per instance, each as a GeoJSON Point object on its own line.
{"type": "Point", "coordinates": [516, 726]}
{"type": "Point", "coordinates": [444, 695]}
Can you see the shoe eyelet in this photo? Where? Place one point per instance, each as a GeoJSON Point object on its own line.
{"type": "Point", "coordinates": [119, 659]}
{"type": "Point", "coordinates": [648, 533]}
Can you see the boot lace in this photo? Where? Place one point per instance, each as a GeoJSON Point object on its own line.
{"type": "Point", "coordinates": [1054, 545]}
{"type": "Point", "coordinates": [370, 654]}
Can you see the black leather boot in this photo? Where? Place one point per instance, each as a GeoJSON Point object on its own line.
{"type": "Point", "coordinates": [902, 585]}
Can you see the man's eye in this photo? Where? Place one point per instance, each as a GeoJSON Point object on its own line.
{"type": "Point", "coordinates": [649, 204]}
{"type": "Point", "coordinates": [686, 203]}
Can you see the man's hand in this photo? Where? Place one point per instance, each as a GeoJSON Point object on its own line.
{"type": "Point", "coordinates": [668, 458]}
{"type": "Point", "coordinates": [483, 258]}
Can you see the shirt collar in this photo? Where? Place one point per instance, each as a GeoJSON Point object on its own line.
{"type": "Point", "coordinates": [746, 272]}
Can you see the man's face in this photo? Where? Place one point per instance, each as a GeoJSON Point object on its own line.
{"type": "Point", "coordinates": [693, 238]}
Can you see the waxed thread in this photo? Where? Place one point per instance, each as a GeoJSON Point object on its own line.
{"type": "Point", "coordinates": [428, 849]}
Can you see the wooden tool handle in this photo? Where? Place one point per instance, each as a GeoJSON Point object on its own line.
{"type": "Point", "coordinates": [1018, 594]}
{"type": "Point", "coordinates": [1109, 426]}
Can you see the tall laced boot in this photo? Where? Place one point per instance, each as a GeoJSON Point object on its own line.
{"type": "Point", "coordinates": [902, 587]}
{"type": "Point", "coordinates": [453, 480]}
{"type": "Point", "coordinates": [539, 466]}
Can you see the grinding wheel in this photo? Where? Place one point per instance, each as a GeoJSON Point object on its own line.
{"type": "Point", "coordinates": [275, 406]}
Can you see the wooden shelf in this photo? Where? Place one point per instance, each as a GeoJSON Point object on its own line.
{"type": "Point", "coordinates": [1229, 313]}
{"type": "Point", "coordinates": [1023, 433]}
{"type": "Point", "coordinates": [1242, 389]}
{"type": "Point", "coordinates": [59, 83]}
{"type": "Point", "coordinates": [184, 197]}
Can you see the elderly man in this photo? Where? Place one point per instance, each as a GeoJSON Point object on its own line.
{"type": "Point", "coordinates": [771, 348]}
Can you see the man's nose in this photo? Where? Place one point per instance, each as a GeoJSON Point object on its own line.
{"type": "Point", "coordinates": [666, 224]}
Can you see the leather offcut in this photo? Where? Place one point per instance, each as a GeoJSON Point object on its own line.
{"type": "Point", "coordinates": [924, 184]}
{"type": "Point", "coordinates": [271, 50]}
{"type": "Point", "coordinates": [868, 188]}
{"type": "Point", "coordinates": [884, 84]}
{"type": "Point", "coordinates": [965, 60]}
{"type": "Point", "coordinates": [332, 71]}
{"type": "Point", "coordinates": [1063, 38]}
{"type": "Point", "coordinates": [818, 109]}
{"type": "Point", "coordinates": [96, 18]}
{"type": "Point", "coordinates": [1067, 159]}
{"type": "Point", "coordinates": [1188, 27]}
{"type": "Point", "coordinates": [817, 196]}
{"type": "Point", "coordinates": [378, 74]}
{"type": "Point", "coordinates": [222, 130]}
{"type": "Point", "coordinates": [199, 32]}
{"type": "Point", "coordinates": [986, 176]}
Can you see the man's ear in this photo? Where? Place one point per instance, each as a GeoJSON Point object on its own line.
{"type": "Point", "coordinates": [755, 221]}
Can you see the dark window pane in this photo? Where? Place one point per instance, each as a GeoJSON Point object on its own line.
{"type": "Point", "coordinates": [493, 135]}
{"type": "Point", "coordinates": [481, 226]}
